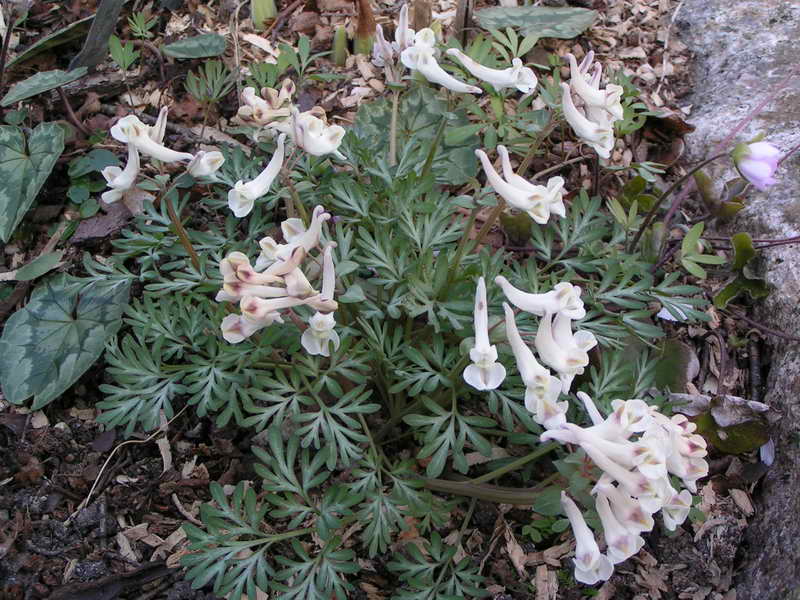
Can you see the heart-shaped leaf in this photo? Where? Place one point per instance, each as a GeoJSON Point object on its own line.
{"type": "Point", "coordinates": [41, 82]}
{"type": "Point", "coordinates": [48, 344]}
{"type": "Point", "coordinates": [200, 46]}
{"type": "Point", "coordinates": [24, 167]}
{"type": "Point", "coordinates": [542, 21]}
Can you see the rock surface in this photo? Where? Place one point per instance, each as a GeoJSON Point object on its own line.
{"type": "Point", "coordinates": [742, 50]}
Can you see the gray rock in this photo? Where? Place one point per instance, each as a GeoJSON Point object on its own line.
{"type": "Point", "coordinates": [742, 50]}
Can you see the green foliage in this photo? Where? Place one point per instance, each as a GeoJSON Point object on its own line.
{"type": "Point", "coordinates": [541, 21]}
{"type": "Point", "coordinates": [39, 83]}
{"type": "Point", "coordinates": [210, 83]}
{"type": "Point", "coordinates": [422, 116]}
{"type": "Point", "coordinates": [141, 26]}
{"type": "Point", "coordinates": [25, 163]}
{"type": "Point", "coordinates": [39, 266]}
{"type": "Point", "coordinates": [123, 55]}
{"type": "Point", "coordinates": [199, 46]}
{"type": "Point", "coordinates": [48, 344]}
{"type": "Point", "coordinates": [692, 255]}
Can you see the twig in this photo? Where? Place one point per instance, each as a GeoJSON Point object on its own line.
{"type": "Point", "coordinates": [273, 28]}
{"type": "Point", "coordinates": [555, 167]}
{"type": "Point", "coordinates": [73, 118]}
{"type": "Point", "coordinates": [151, 47]}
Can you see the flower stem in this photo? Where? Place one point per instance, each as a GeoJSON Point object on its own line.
{"type": "Point", "coordinates": [182, 235]}
{"type": "Point", "coordinates": [514, 465]}
{"type": "Point", "coordinates": [393, 129]}
{"type": "Point", "coordinates": [490, 493]}
{"type": "Point", "coordinates": [653, 211]}
{"type": "Point", "coordinates": [434, 147]}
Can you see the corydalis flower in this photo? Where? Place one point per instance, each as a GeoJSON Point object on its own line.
{"type": "Point", "coordinates": [516, 76]}
{"type": "Point", "coordinates": [757, 162]}
{"type": "Point", "coordinates": [206, 164]}
{"type": "Point", "coordinates": [320, 334]}
{"type": "Point", "coordinates": [485, 373]}
{"type": "Point", "coordinates": [314, 135]}
{"type": "Point", "coordinates": [597, 134]}
{"type": "Point", "coordinates": [541, 389]}
{"type": "Point", "coordinates": [272, 105]}
{"type": "Point", "coordinates": [564, 299]}
{"type": "Point", "coordinates": [590, 565]}
{"type": "Point", "coordinates": [537, 200]}
{"type": "Point", "coordinates": [121, 180]}
{"type": "Point", "coordinates": [242, 197]}
{"type": "Point", "coordinates": [621, 542]}
{"type": "Point", "coordinates": [296, 235]}
{"type": "Point", "coordinates": [588, 88]}
{"type": "Point", "coordinates": [421, 57]}
{"type": "Point", "coordinates": [562, 350]}
{"type": "Point", "coordinates": [130, 130]}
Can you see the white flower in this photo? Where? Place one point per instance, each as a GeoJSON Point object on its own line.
{"type": "Point", "coordinates": [589, 90]}
{"type": "Point", "coordinates": [206, 164]}
{"type": "Point", "coordinates": [485, 373]}
{"type": "Point", "coordinates": [320, 335]}
{"type": "Point", "coordinates": [564, 299]}
{"type": "Point", "coordinates": [561, 350]}
{"type": "Point", "coordinates": [121, 180]}
{"type": "Point", "coordinates": [599, 135]}
{"type": "Point", "coordinates": [157, 131]}
{"type": "Point", "coordinates": [240, 279]}
{"type": "Point", "coordinates": [130, 130]}
{"type": "Point", "coordinates": [273, 105]}
{"type": "Point", "coordinates": [382, 51]}
{"type": "Point", "coordinates": [258, 309]}
{"type": "Point", "coordinates": [242, 197]}
{"type": "Point", "coordinates": [590, 565]}
{"type": "Point", "coordinates": [516, 76]}
{"type": "Point", "coordinates": [403, 35]}
{"type": "Point", "coordinates": [537, 200]}
{"type": "Point", "coordinates": [236, 328]}
{"type": "Point", "coordinates": [315, 136]}
{"type": "Point", "coordinates": [420, 57]}
{"type": "Point", "coordinates": [541, 388]}
{"type": "Point", "coordinates": [621, 542]}
{"type": "Point", "coordinates": [628, 417]}
{"type": "Point", "coordinates": [676, 509]}
{"type": "Point", "coordinates": [324, 301]}
{"type": "Point", "coordinates": [627, 510]}
{"type": "Point", "coordinates": [296, 236]}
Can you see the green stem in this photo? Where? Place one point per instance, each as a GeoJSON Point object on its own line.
{"type": "Point", "coordinates": [182, 235]}
{"type": "Point", "coordinates": [462, 246]}
{"type": "Point", "coordinates": [653, 211]}
{"type": "Point", "coordinates": [514, 465]}
{"type": "Point", "coordinates": [393, 129]}
{"type": "Point", "coordinates": [534, 147]}
{"type": "Point", "coordinates": [484, 491]}
{"type": "Point", "coordinates": [434, 146]}
{"type": "Point", "coordinates": [295, 206]}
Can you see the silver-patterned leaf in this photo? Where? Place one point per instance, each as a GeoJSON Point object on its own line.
{"type": "Point", "coordinates": [542, 21]}
{"type": "Point", "coordinates": [41, 82]}
{"type": "Point", "coordinates": [24, 167]}
{"type": "Point", "coordinates": [199, 46]}
{"type": "Point", "coordinates": [48, 344]}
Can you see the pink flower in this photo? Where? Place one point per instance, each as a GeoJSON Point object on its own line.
{"type": "Point", "coordinates": [757, 163]}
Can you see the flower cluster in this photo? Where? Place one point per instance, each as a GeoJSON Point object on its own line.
{"type": "Point", "coordinates": [636, 472]}
{"type": "Point", "coordinates": [601, 107]}
{"type": "Point", "coordinates": [635, 482]}
{"type": "Point", "coordinates": [538, 201]}
{"type": "Point", "coordinates": [277, 282]}
{"type": "Point", "coordinates": [417, 51]}
{"type": "Point", "coordinates": [561, 349]}
{"type": "Point", "coordinates": [148, 141]}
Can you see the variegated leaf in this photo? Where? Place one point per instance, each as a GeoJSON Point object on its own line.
{"type": "Point", "coordinates": [48, 344]}
{"type": "Point", "coordinates": [41, 82]}
{"type": "Point", "coordinates": [24, 167]}
{"type": "Point", "coordinates": [542, 21]}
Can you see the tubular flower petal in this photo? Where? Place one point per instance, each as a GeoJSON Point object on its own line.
{"type": "Point", "coordinates": [516, 76]}
{"type": "Point", "coordinates": [485, 373]}
{"type": "Point", "coordinates": [320, 335]}
{"type": "Point", "coordinates": [158, 130]}
{"type": "Point", "coordinates": [315, 136]}
{"type": "Point", "coordinates": [541, 388]}
{"type": "Point", "coordinates": [242, 197]}
{"type": "Point", "coordinates": [564, 299]}
{"type": "Point", "coordinates": [271, 106]}
{"type": "Point", "coordinates": [627, 510]}
{"type": "Point", "coordinates": [403, 35]}
{"type": "Point", "coordinates": [621, 542]}
{"type": "Point", "coordinates": [130, 130]}
{"type": "Point", "coordinates": [598, 135]}
{"type": "Point", "coordinates": [236, 328]}
{"type": "Point", "coordinates": [757, 162]}
{"type": "Point", "coordinates": [537, 200]}
{"type": "Point", "coordinates": [676, 510]}
{"type": "Point", "coordinates": [121, 180]}
{"type": "Point", "coordinates": [561, 350]}
{"type": "Point", "coordinates": [590, 565]}
{"type": "Point", "coordinates": [206, 164]}
{"type": "Point", "coordinates": [608, 99]}
{"type": "Point", "coordinates": [419, 57]}
{"type": "Point", "coordinates": [383, 52]}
